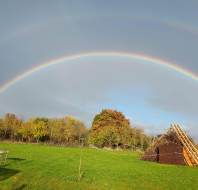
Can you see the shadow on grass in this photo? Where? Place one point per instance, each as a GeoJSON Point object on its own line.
{"type": "Point", "coordinates": [20, 187]}
{"type": "Point", "coordinates": [16, 159]}
{"type": "Point", "coordinates": [6, 173]}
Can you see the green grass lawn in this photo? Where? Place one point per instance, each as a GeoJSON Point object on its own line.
{"type": "Point", "coordinates": [45, 167]}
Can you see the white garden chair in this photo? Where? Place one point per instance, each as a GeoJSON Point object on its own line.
{"type": "Point", "coordinates": [3, 157]}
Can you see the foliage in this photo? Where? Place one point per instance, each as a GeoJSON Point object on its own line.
{"type": "Point", "coordinates": [110, 128]}
{"type": "Point", "coordinates": [25, 132]}
{"type": "Point", "coordinates": [9, 126]}
{"type": "Point", "coordinates": [40, 129]}
{"type": "Point", "coordinates": [67, 130]}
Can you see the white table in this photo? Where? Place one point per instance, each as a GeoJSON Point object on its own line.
{"type": "Point", "coordinates": [3, 156]}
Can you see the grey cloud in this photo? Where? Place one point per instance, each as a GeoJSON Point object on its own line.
{"type": "Point", "coordinates": [83, 87]}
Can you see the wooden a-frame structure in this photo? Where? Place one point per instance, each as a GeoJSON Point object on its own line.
{"type": "Point", "coordinates": [174, 147]}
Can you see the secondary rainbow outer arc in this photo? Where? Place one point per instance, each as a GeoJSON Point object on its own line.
{"type": "Point", "coordinates": [62, 59]}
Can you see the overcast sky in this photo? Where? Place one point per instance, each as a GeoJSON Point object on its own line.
{"type": "Point", "coordinates": [152, 96]}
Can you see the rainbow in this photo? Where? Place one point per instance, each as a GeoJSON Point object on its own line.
{"type": "Point", "coordinates": [137, 56]}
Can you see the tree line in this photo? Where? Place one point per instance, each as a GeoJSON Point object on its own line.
{"type": "Point", "coordinates": [110, 128]}
{"type": "Point", "coordinates": [66, 130]}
